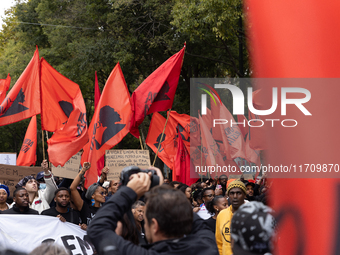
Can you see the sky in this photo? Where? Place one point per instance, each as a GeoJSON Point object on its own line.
{"type": "Point", "coordinates": [4, 4]}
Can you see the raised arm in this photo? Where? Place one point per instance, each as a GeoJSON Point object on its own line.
{"type": "Point", "coordinates": [75, 196]}
{"type": "Point", "coordinates": [51, 186]}
{"type": "Point", "coordinates": [103, 176]}
{"type": "Point", "coordinates": [101, 230]}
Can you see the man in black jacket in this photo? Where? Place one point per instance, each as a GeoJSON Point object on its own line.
{"type": "Point", "coordinates": [170, 226]}
{"type": "Point", "coordinates": [21, 206]}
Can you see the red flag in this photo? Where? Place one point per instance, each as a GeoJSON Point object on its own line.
{"type": "Point", "coordinates": [300, 39]}
{"type": "Point", "coordinates": [28, 155]}
{"type": "Point", "coordinates": [208, 120]}
{"type": "Point", "coordinates": [23, 100]}
{"type": "Point", "coordinates": [210, 148]}
{"type": "Point", "coordinates": [96, 91]}
{"type": "Point", "coordinates": [178, 124]}
{"type": "Point", "coordinates": [183, 166]}
{"type": "Point", "coordinates": [157, 92]}
{"type": "Point", "coordinates": [4, 86]}
{"type": "Point", "coordinates": [181, 123]}
{"type": "Point", "coordinates": [154, 138]}
{"type": "Point", "coordinates": [63, 112]}
{"type": "Point", "coordinates": [100, 162]}
{"type": "Point", "coordinates": [252, 155]}
{"type": "Point", "coordinates": [110, 122]}
{"type": "Point", "coordinates": [243, 125]}
{"type": "Point", "coordinates": [233, 141]}
{"type": "Point", "coordinates": [257, 134]}
{"type": "Point", "coordinates": [195, 133]}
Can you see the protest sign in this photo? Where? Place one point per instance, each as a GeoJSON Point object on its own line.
{"type": "Point", "coordinates": [8, 158]}
{"type": "Point", "coordinates": [70, 169]}
{"type": "Point", "coordinates": [35, 229]}
{"type": "Point", "coordinates": [116, 160]}
{"type": "Point", "coordinates": [11, 175]}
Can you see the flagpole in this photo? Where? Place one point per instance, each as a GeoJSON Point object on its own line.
{"type": "Point", "coordinates": [201, 156]}
{"type": "Point", "coordinates": [141, 144]}
{"type": "Point", "coordinates": [43, 143]}
{"type": "Point", "coordinates": [160, 141]}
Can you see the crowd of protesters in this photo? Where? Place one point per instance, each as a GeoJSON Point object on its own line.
{"type": "Point", "coordinates": [212, 216]}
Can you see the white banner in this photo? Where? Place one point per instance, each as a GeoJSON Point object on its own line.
{"type": "Point", "coordinates": [25, 232]}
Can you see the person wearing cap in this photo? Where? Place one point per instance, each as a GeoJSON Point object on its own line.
{"type": "Point", "coordinates": [236, 193]}
{"type": "Point", "coordinates": [252, 228]}
{"type": "Point", "coordinates": [95, 192]}
{"type": "Point", "coordinates": [4, 194]}
{"type": "Point", "coordinates": [39, 199]}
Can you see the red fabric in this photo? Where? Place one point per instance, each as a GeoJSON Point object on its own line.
{"type": "Point", "coordinates": [4, 86]}
{"type": "Point", "coordinates": [243, 125]}
{"type": "Point", "coordinates": [96, 91]}
{"type": "Point", "coordinates": [300, 39]}
{"type": "Point", "coordinates": [63, 112]}
{"type": "Point", "coordinates": [156, 93]}
{"type": "Point", "coordinates": [252, 155]}
{"type": "Point", "coordinates": [28, 152]}
{"type": "Point", "coordinates": [154, 138]}
{"type": "Point", "coordinates": [208, 120]}
{"type": "Point", "coordinates": [257, 135]}
{"type": "Point", "coordinates": [183, 166]}
{"type": "Point", "coordinates": [101, 161]}
{"type": "Point", "coordinates": [232, 138]}
{"type": "Point", "coordinates": [195, 133]}
{"type": "Point", "coordinates": [181, 124]}
{"type": "Point", "coordinates": [58, 94]}
{"type": "Point", "coordinates": [210, 149]}
{"type": "Point", "coordinates": [23, 100]}
{"type": "Point", "coordinates": [110, 122]}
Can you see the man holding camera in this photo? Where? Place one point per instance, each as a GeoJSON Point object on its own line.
{"type": "Point", "coordinates": [170, 226]}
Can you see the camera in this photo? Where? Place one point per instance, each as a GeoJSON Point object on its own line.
{"type": "Point", "coordinates": [129, 170]}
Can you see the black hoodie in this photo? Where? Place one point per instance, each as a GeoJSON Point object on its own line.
{"type": "Point", "coordinates": [101, 232]}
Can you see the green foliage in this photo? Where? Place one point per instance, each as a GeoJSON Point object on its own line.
{"type": "Point", "coordinates": [80, 37]}
{"type": "Point", "coordinates": [202, 17]}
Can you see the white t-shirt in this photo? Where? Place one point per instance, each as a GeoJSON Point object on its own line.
{"type": "Point", "coordinates": [203, 212]}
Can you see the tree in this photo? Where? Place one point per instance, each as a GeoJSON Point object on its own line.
{"type": "Point", "coordinates": [80, 37]}
{"type": "Point", "coordinates": [219, 26]}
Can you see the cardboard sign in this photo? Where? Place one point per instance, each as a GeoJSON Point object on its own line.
{"type": "Point", "coordinates": [11, 175]}
{"type": "Point", "coordinates": [8, 158]}
{"type": "Point", "coordinates": [70, 169]}
{"type": "Point", "coordinates": [116, 160]}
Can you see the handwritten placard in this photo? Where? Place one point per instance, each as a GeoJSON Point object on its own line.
{"type": "Point", "coordinates": [8, 158]}
{"type": "Point", "coordinates": [70, 169]}
{"type": "Point", "coordinates": [11, 175]}
{"type": "Point", "coordinates": [116, 160]}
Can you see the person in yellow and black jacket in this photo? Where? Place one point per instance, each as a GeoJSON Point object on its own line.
{"type": "Point", "coordinates": [236, 193]}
